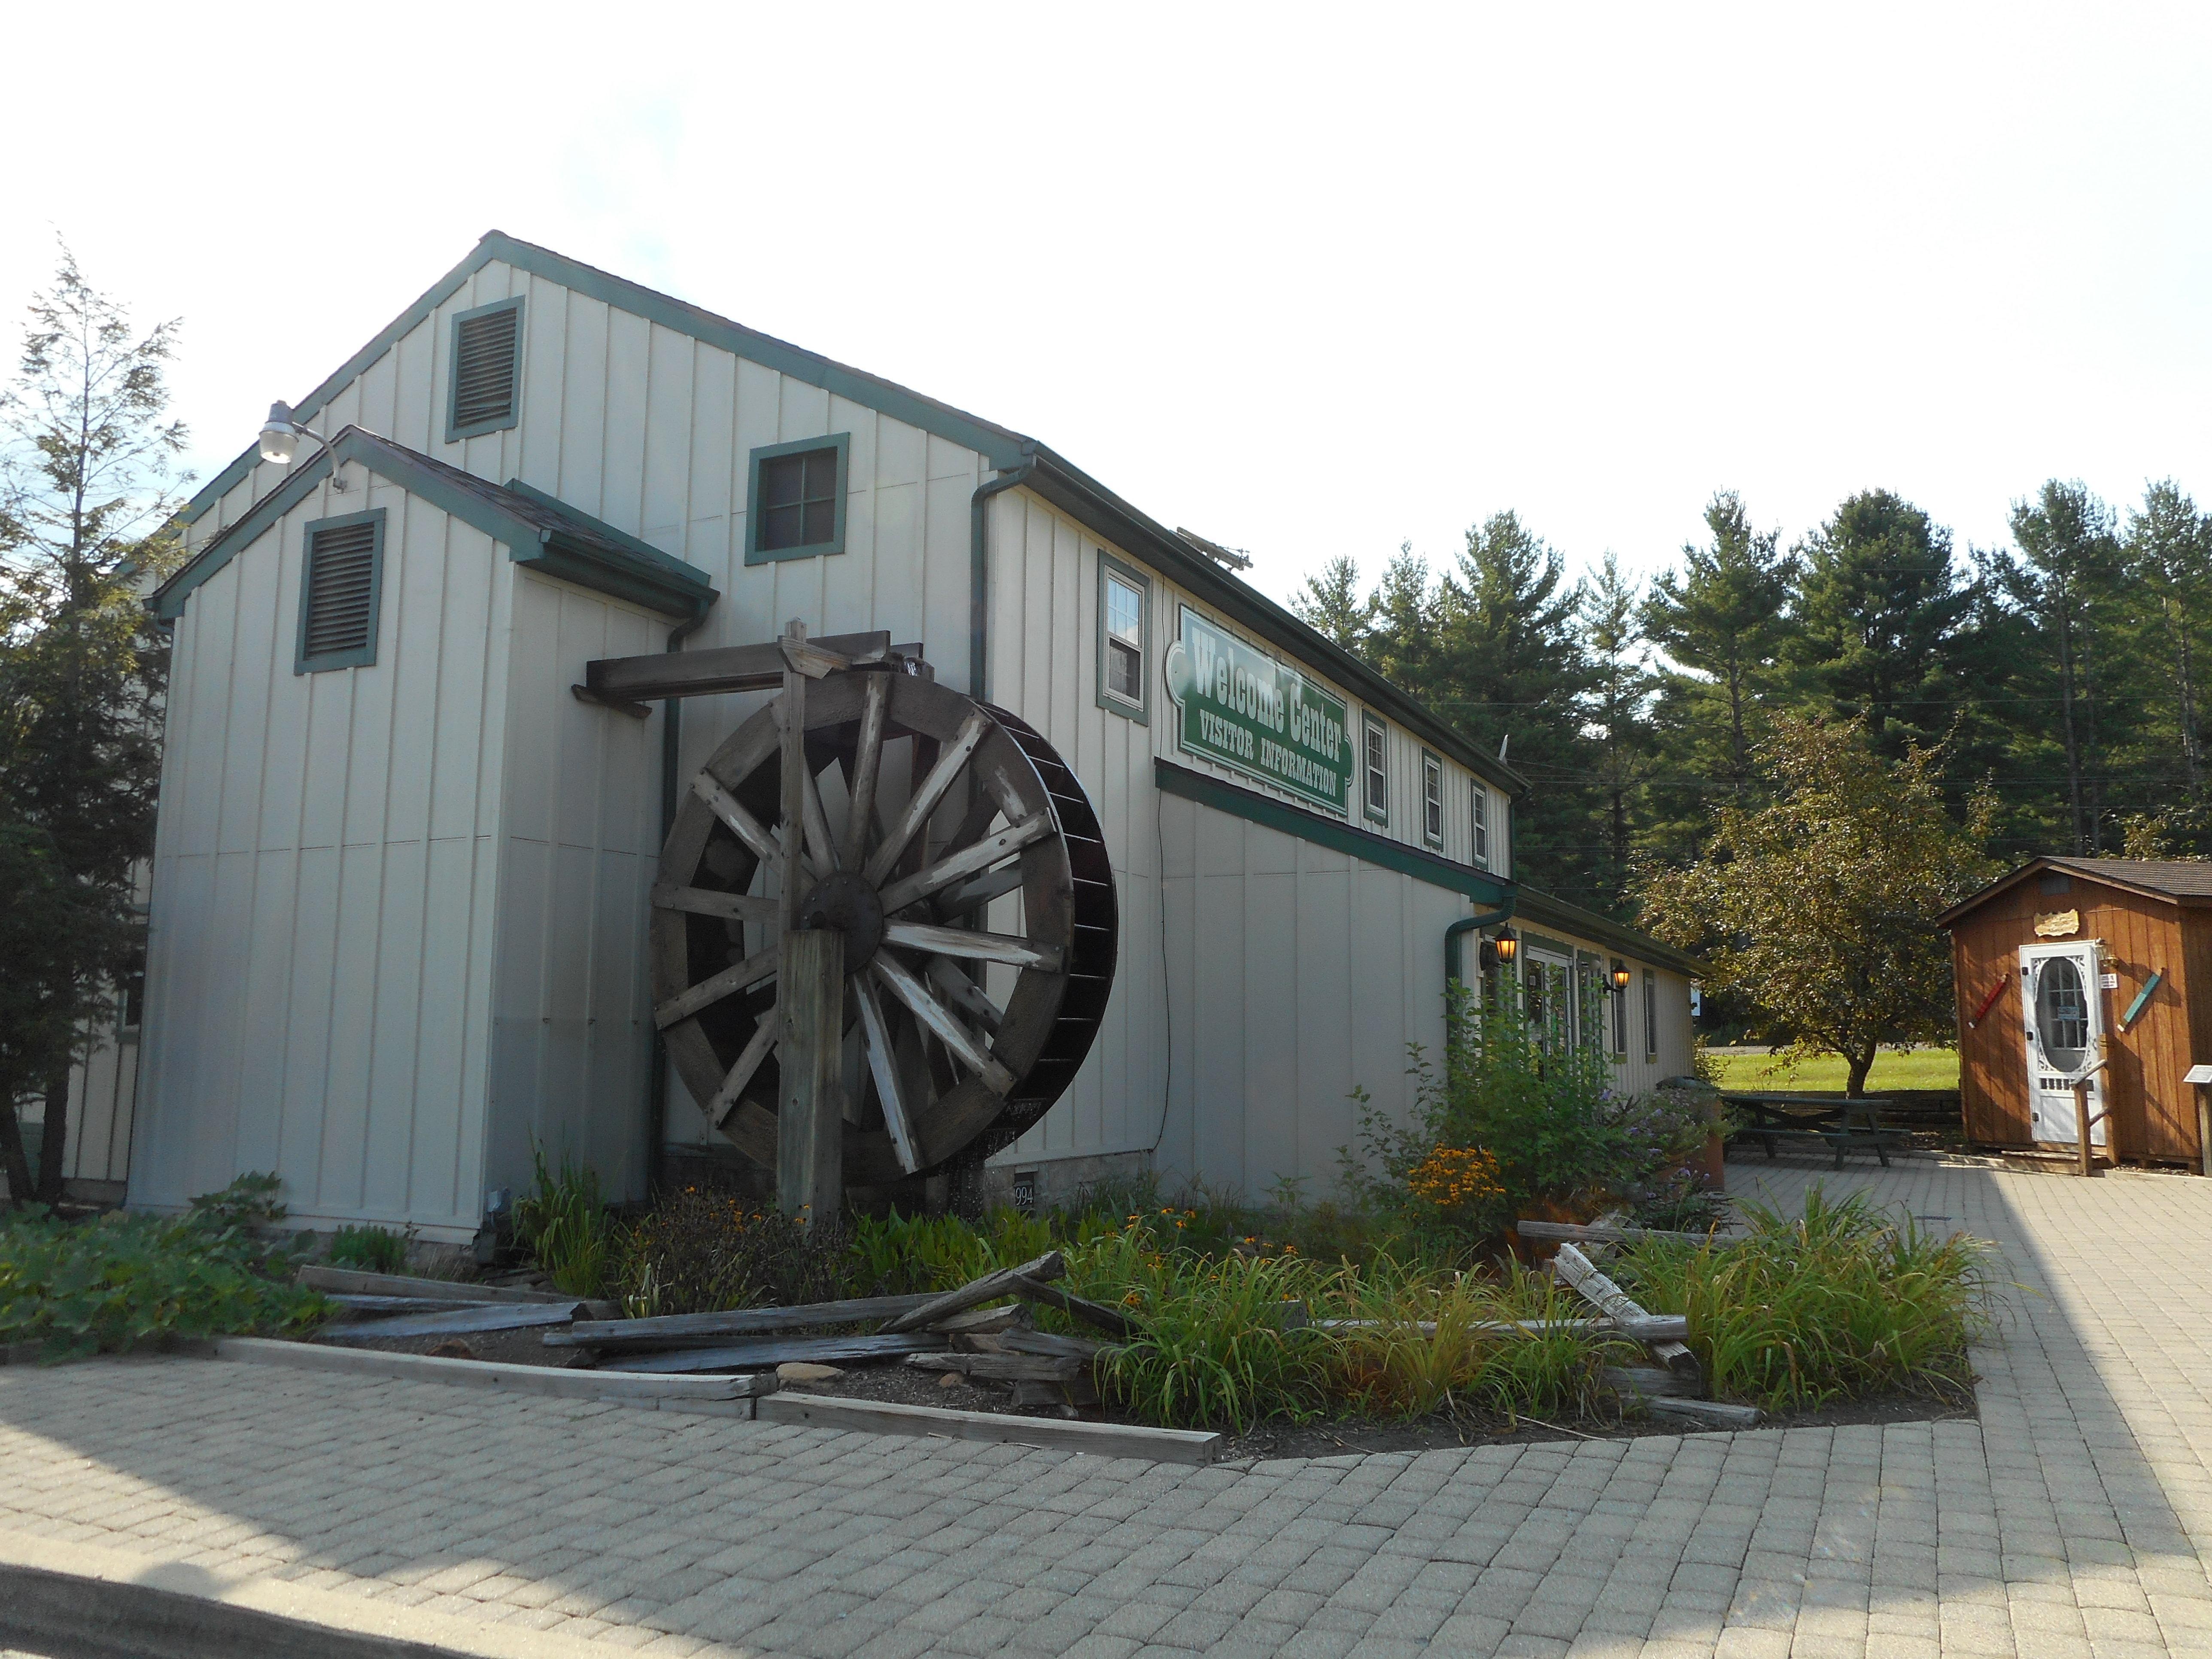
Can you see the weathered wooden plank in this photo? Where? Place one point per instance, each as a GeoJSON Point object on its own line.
{"type": "Point", "coordinates": [1646, 1380]}
{"type": "Point", "coordinates": [1651, 1328]}
{"type": "Point", "coordinates": [1572, 1265]}
{"type": "Point", "coordinates": [351, 1281]}
{"type": "Point", "coordinates": [1051, 1343]}
{"type": "Point", "coordinates": [968, 861]}
{"type": "Point", "coordinates": [974, 945]}
{"type": "Point", "coordinates": [480, 1317]}
{"type": "Point", "coordinates": [1003, 1367]}
{"type": "Point", "coordinates": [1094, 1313]}
{"type": "Point", "coordinates": [710, 1329]}
{"type": "Point", "coordinates": [989, 1288]}
{"type": "Point", "coordinates": [383, 1307]}
{"type": "Point", "coordinates": [725, 668]}
{"type": "Point", "coordinates": [982, 1322]}
{"type": "Point", "coordinates": [770, 1352]}
{"type": "Point", "coordinates": [670, 1392]}
{"type": "Point", "coordinates": [1713, 1413]}
{"type": "Point", "coordinates": [1593, 1235]}
{"type": "Point", "coordinates": [810, 1122]}
{"type": "Point", "coordinates": [1098, 1439]}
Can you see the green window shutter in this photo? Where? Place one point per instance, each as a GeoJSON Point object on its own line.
{"type": "Point", "coordinates": [340, 586]}
{"type": "Point", "coordinates": [487, 370]}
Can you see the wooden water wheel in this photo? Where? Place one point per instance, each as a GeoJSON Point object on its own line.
{"type": "Point", "coordinates": [961, 860]}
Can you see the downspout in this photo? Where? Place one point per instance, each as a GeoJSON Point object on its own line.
{"type": "Point", "coordinates": [1460, 929]}
{"type": "Point", "coordinates": [671, 744]}
{"type": "Point", "coordinates": [979, 574]}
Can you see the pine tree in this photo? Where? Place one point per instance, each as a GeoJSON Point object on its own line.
{"type": "Point", "coordinates": [2065, 584]}
{"type": "Point", "coordinates": [1721, 622]}
{"type": "Point", "coordinates": [85, 476]}
{"type": "Point", "coordinates": [2169, 560]}
{"type": "Point", "coordinates": [1620, 723]}
{"type": "Point", "coordinates": [1330, 604]}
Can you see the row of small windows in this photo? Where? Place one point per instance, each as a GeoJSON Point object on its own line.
{"type": "Point", "coordinates": [1565, 1002]}
{"type": "Point", "coordinates": [1376, 792]}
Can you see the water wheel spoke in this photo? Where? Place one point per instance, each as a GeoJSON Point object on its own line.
{"type": "Point", "coordinates": [765, 1036]}
{"type": "Point", "coordinates": [952, 980]}
{"type": "Point", "coordinates": [820, 843]}
{"type": "Point", "coordinates": [974, 945]}
{"type": "Point", "coordinates": [968, 861]}
{"type": "Point", "coordinates": [942, 1023]}
{"type": "Point", "coordinates": [883, 1065]}
{"type": "Point", "coordinates": [738, 976]}
{"type": "Point", "coordinates": [931, 790]}
{"type": "Point", "coordinates": [978, 891]}
{"type": "Point", "coordinates": [741, 824]}
{"type": "Point", "coordinates": [706, 902]}
{"type": "Point", "coordinates": [867, 766]}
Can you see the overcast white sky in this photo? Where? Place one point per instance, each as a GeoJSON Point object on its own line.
{"type": "Point", "coordinates": [1310, 281]}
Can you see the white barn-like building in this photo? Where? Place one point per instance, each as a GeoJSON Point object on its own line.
{"type": "Point", "coordinates": [399, 900]}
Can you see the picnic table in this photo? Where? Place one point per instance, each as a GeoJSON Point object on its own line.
{"type": "Point", "coordinates": [1838, 1125]}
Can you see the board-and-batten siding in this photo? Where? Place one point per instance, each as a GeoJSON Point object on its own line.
{"type": "Point", "coordinates": [1293, 973]}
{"type": "Point", "coordinates": [2153, 1110]}
{"type": "Point", "coordinates": [652, 431]}
{"type": "Point", "coordinates": [579, 836]}
{"type": "Point", "coordinates": [320, 936]}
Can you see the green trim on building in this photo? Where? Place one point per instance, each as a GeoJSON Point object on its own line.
{"type": "Point", "coordinates": [1133, 533]}
{"type": "Point", "coordinates": [539, 532]}
{"type": "Point", "coordinates": [1333, 833]}
{"type": "Point", "coordinates": [454, 430]}
{"type": "Point", "coordinates": [839, 441]}
{"type": "Point", "coordinates": [1542, 908]}
{"type": "Point", "coordinates": [365, 655]}
{"type": "Point", "coordinates": [1141, 711]}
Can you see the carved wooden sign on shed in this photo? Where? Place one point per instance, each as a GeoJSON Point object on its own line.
{"type": "Point", "coordinates": [2059, 924]}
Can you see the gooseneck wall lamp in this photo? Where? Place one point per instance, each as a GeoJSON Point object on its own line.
{"type": "Point", "coordinates": [280, 441]}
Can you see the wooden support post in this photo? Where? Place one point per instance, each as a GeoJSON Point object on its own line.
{"type": "Point", "coordinates": [2203, 1129]}
{"type": "Point", "coordinates": [794, 782]}
{"type": "Point", "coordinates": [810, 1144]}
{"type": "Point", "coordinates": [2082, 1127]}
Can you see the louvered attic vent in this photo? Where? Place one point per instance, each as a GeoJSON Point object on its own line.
{"type": "Point", "coordinates": [338, 622]}
{"type": "Point", "coordinates": [485, 356]}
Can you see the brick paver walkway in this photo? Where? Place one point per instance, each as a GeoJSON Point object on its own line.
{"type": "Point", "coordinates": [2075, 1519]}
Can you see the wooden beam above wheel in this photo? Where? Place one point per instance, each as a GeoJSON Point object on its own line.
{"type": "Point", "coordinates": [725, 668]}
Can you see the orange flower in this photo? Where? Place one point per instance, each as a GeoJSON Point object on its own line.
{"type": "Point", "coordinates": [1452, 1176]}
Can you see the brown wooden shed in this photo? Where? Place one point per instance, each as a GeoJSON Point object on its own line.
{"type": "Point", "coordinates": [2069, 962]}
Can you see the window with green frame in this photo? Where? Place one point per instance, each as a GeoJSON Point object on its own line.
{"type": "Point", "coordinates": [1125, 600]}
{"type": "Point", "coordinates": [795, 506]}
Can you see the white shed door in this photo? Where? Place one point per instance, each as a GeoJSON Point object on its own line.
{"type": "Point", "coordinates": [2064, 1015]}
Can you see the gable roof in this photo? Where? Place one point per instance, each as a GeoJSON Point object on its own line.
{"type": "Point", "coordinates": [2180, 881]}
{"type": "Point", "coordinates": [539, 532]}
{"type": "Point", "coordinates": [1048, 475]}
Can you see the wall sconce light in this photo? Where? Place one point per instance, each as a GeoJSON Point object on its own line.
{"type": "Point", "coordinates": [1507, 944]}
{"type": "Point", "coordinates": [280, 441]}
{"type": "Point", "coordinates": [1620, 975]}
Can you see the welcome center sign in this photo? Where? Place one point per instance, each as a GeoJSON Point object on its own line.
{"type": "Point", "coordinates": [1244, 709]}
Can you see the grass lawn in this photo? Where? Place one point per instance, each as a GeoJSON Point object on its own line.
{"type": "Point", "coordinates": [1922, 1069]}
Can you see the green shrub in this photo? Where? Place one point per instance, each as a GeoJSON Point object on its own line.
{"type": "Point", "coordinates": [114, 1283]}
{"type": "Point", "coordinates": [565, 1226]}
{"type": "Point", "coordinates": [371, 1250]}
{"type": "Point", "coordinates": [1838, 1301]}
{"type": "Point", "coordinates": [906, 1255]}
{"type": "Point", "coordinates": [699, 1251]}
{"type": "Point", "coordinates": [249, 1203]}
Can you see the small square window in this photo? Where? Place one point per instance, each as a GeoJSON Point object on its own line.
{"type": "Point", "coordinates": [1432, 799]}
{"type": "Point", "coordinates": [1124, 603]}
{"type": "Point", "coordinates": [1378, 771]}
{"type": "Point", "coordinates": [797, 506]}
{"type": "Point", "coordinates": [1480, 801]}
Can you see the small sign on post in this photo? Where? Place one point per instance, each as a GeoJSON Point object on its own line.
{"type": "Point", "coordinates": [2201, 1076]}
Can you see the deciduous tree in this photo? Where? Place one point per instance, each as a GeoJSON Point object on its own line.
{"type": "Point", "coordinates": [1818, 907]}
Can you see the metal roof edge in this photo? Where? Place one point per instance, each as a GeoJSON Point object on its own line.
{"type": "Point", "coordinates": [1069, 487]}
{"type": "Point", "coordinates": [1540, 907]}
{"type": "Point", "coordinates": [659, 581]}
